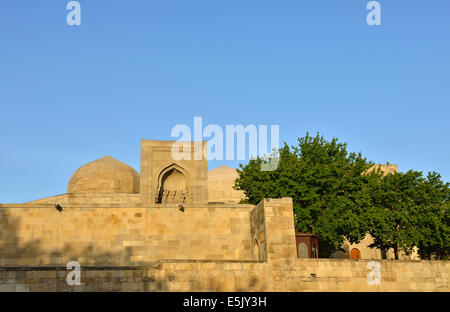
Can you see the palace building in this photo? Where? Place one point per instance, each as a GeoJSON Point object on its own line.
{"type": "Point", "coordinates": [177, 226]}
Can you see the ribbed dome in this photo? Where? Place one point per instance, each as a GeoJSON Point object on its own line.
{"type": "Point", "coordinates": [104, 175]}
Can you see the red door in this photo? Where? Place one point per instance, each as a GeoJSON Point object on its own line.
{"type": "Point", "coordinates": [355, 254]}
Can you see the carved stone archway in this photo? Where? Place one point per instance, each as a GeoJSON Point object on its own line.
{"type": "Point", "coordinates": [173, 186]}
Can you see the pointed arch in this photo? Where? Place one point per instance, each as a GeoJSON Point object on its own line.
{"type": "Point", "coordinates": [170, 167]}
{"type": "Point", "coordinates": [173, 185]}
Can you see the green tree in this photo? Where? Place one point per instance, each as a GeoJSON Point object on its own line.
{"type": "Point", "coordinates": [409, 211]}
{"type": "Point", "coordinates": [434, 221]}
{"type": "Point", "coordinates": [393, 215]}
{"type": "Point", "coordinates": [326, 183]}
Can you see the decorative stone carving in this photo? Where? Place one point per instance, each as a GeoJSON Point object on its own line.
{"type": "Point", "coordinates": [165, 179]}
{"type": "Point", "coordinates": [173, 188]}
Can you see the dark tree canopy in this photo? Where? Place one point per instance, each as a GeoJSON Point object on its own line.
{"type": "Point", "coordinates": [393, 212]}
{"type": "Point", "coordinates": [409, 211]}
{"type": "Point", "coordinates": [326, 183]}
{"type": "Point", "coordinates": [336, 196]}
{"type": "Point", "coordinates": [434, 218]}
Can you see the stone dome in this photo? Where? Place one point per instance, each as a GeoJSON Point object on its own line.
{"type": "Point", "coordinates": [220, 185]}
{"type": "Point", "coordinates": [104, 175]}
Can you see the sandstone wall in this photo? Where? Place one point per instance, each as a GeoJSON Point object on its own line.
{"type": "Point", "coordinates": [304, 275]}
{"type": "Point", "coordinates": [106, 199]}
{"type": "Point", "coordinates": [220, 185]}
{"type": "Point", "coordinates": [93, 234]}
{"type": "Point", "coordinates": [204, 248]}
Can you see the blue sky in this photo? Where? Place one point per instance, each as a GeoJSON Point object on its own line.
{"type": "Point", "coordinates": [135, 69]}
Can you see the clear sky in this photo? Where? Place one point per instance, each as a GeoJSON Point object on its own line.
{"type": "Point", "coordinates": [135, 69]}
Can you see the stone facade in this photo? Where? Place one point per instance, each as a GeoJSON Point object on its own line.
{"type": "Point", "coordinates": [305, 275]}
{"type": "Point", "coordinates": [165, 179]}
{"type": "Point", "coordinates": [220, 185]}
{"type": "Point", "coordinates": [145, 234]}
{"type": "Point", "coordinates": [278, 269]}
{"type": "Point", "coordinates": [117, 234]}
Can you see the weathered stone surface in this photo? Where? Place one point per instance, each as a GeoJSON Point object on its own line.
{"type": "Point", "coordinates": [105, 175]}
{"type": "Point", "coordinates": [157, 232]}
{"type": "Point", "coordinates": [220, 185]}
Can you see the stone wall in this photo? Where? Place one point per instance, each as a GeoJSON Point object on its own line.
{"type": "Point", "coordinates": [220, 185]}
{"type": "Point", "coordinates": [207, 248]}
{"type": "Point", "coordinates": [34, 235]}
{"type": "Point", "coordinates": [87, 199]}
{"type": "Point", "coordinates": [258, 233]}
{"type": "Point", "coordinates": [303, 275]}
{"type": "Point", "coordinates": [156, 158]}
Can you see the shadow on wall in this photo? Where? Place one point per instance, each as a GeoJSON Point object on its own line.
{"type": "Point", "coordinates": [13, 253]}
{"type": "Point", "coordinates": [344, 253]}
{"type": "Point", "coordinates": [15, 275]}
{"type": "Point", "coordinates": [10, 246]}
{"type": "Point", "coordinates": [99, 272]}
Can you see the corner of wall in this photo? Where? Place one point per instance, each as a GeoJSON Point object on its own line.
{"type": "Point", "coordinates": [279, 230]}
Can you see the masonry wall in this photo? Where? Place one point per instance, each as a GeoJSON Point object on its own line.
{"type": "Point", "coordinates": [258, 233]}
{"type": "Point", "coordinates": [130, 199]}
{"type": "Point", "coordinates": [217, 228]}
{"type": "Point", "coordinates": [39, 235]}
{"type": "Point", "coordinates": [304, 275]}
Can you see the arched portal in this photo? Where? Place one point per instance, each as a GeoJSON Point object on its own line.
{"type": "Point", "coordinates": [173, 187]}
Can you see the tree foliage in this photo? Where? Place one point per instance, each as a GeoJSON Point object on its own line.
{"type": "Point", "coordinates": [326, 184]}
{"type": "Point", "coordinates": [392, 216]}
{"type": "Point", "coordinates": [409, 211]}
{"type": "Point", "coordinates": [336, 196]}
{"type": "Point", "coordinates": [434, 221]}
